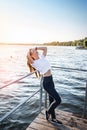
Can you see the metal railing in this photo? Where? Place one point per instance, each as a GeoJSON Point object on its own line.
{"type": "Point", "coordinates": [24, 101]}
{"type": "Point", "coordinates": [85, 101]}
{"type": "Point", "coordinates": [73, 69]}
{"type": "Point", "coordinates": [14, 109]}
{"type": "Point", "coordinates": [40, 90]}
{"type": "Point", "coordinates": [17, 80]}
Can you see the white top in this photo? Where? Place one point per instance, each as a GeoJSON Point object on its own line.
{"type": "Point", "coordinates": [42, 65]}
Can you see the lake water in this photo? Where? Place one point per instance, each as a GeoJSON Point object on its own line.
{"type": "Point", "coordinates": [69, 83]}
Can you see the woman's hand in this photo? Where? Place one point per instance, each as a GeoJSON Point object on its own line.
{"type": "Point", "coordinates": [44, 49]}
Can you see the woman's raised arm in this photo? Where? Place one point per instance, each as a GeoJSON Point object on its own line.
{"type": "Point", "coordinates": [44, 49]}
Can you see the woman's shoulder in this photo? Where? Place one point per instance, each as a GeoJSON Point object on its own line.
{"type": "Point", "coordinates": [42, 56]}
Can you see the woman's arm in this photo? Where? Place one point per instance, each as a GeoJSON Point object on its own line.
{"type": "Point", "coordinates": [44, 49]}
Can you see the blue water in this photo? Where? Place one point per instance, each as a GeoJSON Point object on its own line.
{"type": "Point", "coordinates": [69, 83]}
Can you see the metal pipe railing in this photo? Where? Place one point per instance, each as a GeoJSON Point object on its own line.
{"type": "Point", "coordinates": [85, 101]}
{"type": "Point", "coordinates": [41, 85]}
{"type": "Point", "coordinates": [14, 109]}
{"type": "Point", "coordinates": [70, 68]}
{"type": "Point", "coordinates": [36, 71]}
{"type": "Point", "coordinates": [17, 80]}
{"type": "Point", "coordinates": [24, 101]}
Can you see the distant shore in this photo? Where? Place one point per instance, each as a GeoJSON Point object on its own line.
{"type": "Point", "coordinates": [81, 42]}
{"type": "Point", "coordinates": [20, 44]}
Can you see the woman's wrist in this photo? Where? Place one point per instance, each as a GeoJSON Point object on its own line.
{"type": "Point", "coordinates": [40, 48]}
{"type": "Point", "coordinates": [35, 48]}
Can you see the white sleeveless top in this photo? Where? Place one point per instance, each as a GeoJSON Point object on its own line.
{"type": "Point", "coordinates": [42, 65]}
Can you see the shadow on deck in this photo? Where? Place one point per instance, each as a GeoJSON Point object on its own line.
{"type": "Point", "coordinates": [70, 122]}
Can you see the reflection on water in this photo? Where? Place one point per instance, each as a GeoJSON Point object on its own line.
{"type": "Point", "coordinates": [69, 83]}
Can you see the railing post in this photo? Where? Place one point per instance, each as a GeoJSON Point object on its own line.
{"type": "Point", "coordinates": [85, 101]}
{"type": "Point", "coordinates": [41, 86]}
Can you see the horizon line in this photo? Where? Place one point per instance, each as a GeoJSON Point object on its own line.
{"type": "Point", "coordinates": [29, 43]}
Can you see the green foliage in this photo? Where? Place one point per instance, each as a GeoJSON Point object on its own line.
{"type": "Point", "coordinates": [81, 42]}
{"type": "Point", "coordinates": [85, 42]}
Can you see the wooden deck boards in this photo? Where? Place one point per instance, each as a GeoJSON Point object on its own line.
{"type": "Point", "coordinates": [70, 122]}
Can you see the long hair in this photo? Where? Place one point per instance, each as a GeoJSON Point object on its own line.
{"type": "Point", "coordinates": [32, 69]}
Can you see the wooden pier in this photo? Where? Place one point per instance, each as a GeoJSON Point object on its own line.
{"type": "Point", "coordinates": [70, 122]}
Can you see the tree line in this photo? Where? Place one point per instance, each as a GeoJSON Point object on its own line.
{"type": "Point", "coordinates": [81, 42]}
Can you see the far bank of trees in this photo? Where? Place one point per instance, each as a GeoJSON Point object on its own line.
{"type": "Point", "coordinates": [81, 42]}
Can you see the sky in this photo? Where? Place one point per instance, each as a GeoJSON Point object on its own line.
{"type": "Point", "coordinates": [41, 21]}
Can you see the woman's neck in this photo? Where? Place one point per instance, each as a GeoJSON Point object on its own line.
{"type": "Point", "coordinates": [36, 57]}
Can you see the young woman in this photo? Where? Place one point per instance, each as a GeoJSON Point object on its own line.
{"type": "Point", "coordinates": [36, 62]}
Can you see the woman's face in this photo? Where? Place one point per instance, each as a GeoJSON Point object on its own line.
{"type": "Point", "coordinates": [34, 53]}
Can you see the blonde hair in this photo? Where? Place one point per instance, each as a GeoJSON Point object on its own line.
{"type": "Point", "coordinates": [32, 69]}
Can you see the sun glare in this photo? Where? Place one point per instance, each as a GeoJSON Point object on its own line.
{"type": "Point", "coordinates": [5, 51]}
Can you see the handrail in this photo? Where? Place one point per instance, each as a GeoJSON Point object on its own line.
{"type": "Point", "coordinates": [17, 80]}
{"type": "Point", "coordinates": [14, 109]}
{"type": "Point", "coordinates": [21, 103]}
{"type": "Point", "coordinates": [85, 101]}
{"type": "Point", "coordinates": [36, 71]}
{"type": "Point", "coordinates": [70, 68]}
{"type": "Point", "coordinates": [41, 86]}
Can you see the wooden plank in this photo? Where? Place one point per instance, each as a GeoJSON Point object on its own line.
{"type": "Point", "coordinates": [39, 126]}
{"type": "Point", "coordinates": [70, 122]}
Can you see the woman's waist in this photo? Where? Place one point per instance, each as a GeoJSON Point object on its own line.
{"type": "Point", "coordinates": [48, 73]}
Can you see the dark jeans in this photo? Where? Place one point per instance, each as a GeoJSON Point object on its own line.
{"type": "Point", "coordinates": [54, 98]}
